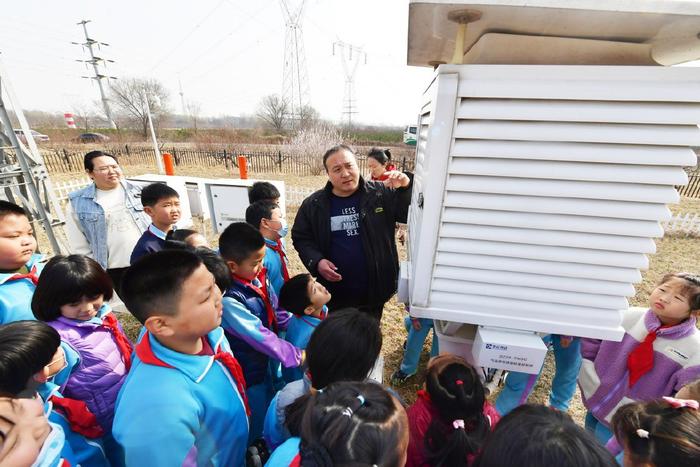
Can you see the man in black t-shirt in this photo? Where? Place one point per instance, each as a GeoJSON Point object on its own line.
{"type": "Point", "coordinates": [344, 233]}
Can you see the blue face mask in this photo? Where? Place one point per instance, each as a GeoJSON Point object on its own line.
{"type": "Point", "coordinates": [284, 229]}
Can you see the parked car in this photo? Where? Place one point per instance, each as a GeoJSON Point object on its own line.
{"type": "Point", "coordinates": [92, 138]}
{"type": "Point", "coordinates": [409, 135]}
{"type": "Point", "coordinates": [38, 137]}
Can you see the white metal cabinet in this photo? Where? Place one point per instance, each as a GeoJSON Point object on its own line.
{"type": "Point", "coordinates": [539, 189]}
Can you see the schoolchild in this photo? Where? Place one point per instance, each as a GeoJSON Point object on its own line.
{"type": "Point", "coordinates": [162, 204]}
{"type": "Point", "coordinates": [267, 217]}
{"type": "Point", "coordinates": [30, 357]}
{"type": "Point", "coordinates": [567, 359]}
{"type": "Point", "coordinates": [451, 417]}
{"type": "Point", "coordinates": [72, 298]}
{"type": "Point", "coordinates": [348, 423]}
{"type": "Point", "coordinates": [344, 347]}
{"type": "Point", "coordinates": [252, 318]}
{"type": "Point", "coordinates": [189, 237]}
{"type": "Point", "coordinates": [263, 191]}
{"type": "Point", "coordinates": [379, 163]}
{"type": "Point", "coordinates": [659, 433]}
{"type": "Point", "coordinates": [417, 329]}
{"type": "Point", "coordinates": [658, 355]}
{"type": "Point", "coordinates": [19, 265]}
{"type": "Point", "coordinates": [538, 436]}
{"type": "Point", "coordinates": [27, 438]}
{"type": "Point", "coordinates": [306, 299]}
{"type": "Point", "coordinates": [183, 402]}
{"type": "Point", "coordinates": [690, 391]}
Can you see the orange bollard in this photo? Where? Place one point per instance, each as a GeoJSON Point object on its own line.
{"type": "Point", "coordinates": [243, 167]}
{"type": "Point", "coordinates": [169, 163]}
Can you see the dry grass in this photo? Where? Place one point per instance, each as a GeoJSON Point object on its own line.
{"type": "Point", "coordinates": [674, 253]}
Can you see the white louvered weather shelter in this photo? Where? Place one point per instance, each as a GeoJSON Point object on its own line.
{"type": "Point", "coordinates": [543, 169]}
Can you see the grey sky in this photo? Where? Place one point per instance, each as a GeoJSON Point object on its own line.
{"type": "Point", "coordinates": [227, 53]}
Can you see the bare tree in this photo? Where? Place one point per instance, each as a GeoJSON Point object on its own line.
{"type": "Point", "coordinates": [308, 117]}
{"type": "Point", "coordinates": [131, 96]}
{"type": "Point", "coordinates": [194, 109]}
{"type": "Point", "coordinates": [273, 111]}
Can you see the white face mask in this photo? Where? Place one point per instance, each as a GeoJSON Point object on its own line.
{"type": "Point", "coordinates": [284, 228]}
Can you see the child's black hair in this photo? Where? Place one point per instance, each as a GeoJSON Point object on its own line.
{"type": "Point", "coordinates": [153, 284]}
{"type": "Point", "coordinates": [294, 294]}
{"type": "Point", "coordinates": [333, 150]}
{"type": "Point", "coordinates": [258, 211]}
{"type": "Point", "coordinates": [90, 156]}
{"type": "Point", "coordinates": [151, 194]}
{"type": "Point", "coordinates": [214, 263]}
{"type": "Point", "coordinates": [356, 340]}
{"type": "Point", "coordinates": [536, 436]}
{"type": "Point", "coordinates": [670, 437]}
{"type": "Point", "coordinates": [7, 208]}
{"type": "Point", "coordinates": [352, 423]}
{"type": "Point", "coordinates": [67, 279]}
{"type": "Point", "coordinates": [383, 156]}
{"type": "Point", "coordinates": [263, 191]}
{"type": "Point", "coordinates": [26, 347]}
{"type": "Point", "coordinates": [217, 266]}
{"type": "Point", "coordinates": [177, 239]}
{"type": "Point", "coordinates": [240, 240]}
{"type": "Point", "coordinates": [456, 391]}
{"type": "Point", "coordinates": [691, 289]}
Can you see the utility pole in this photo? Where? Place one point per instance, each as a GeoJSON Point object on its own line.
{"type": "Point", "coordinates": [95, 61]}
{"type": "Point", "coordinates": [182, 98]}
{"type": "Point", "coordinates": [350, 65]}
{"type": "Point", "coordinates": [295, 80]}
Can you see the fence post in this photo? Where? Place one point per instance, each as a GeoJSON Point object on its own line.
{"type": "Point", "coordinates": [403, 164]}
{"type": "Point", "coordinates": [279, 159]}
{"type": "Point", "coordinates": [67, 159]}
{"type": "Point", "coordinates": [126, 147]}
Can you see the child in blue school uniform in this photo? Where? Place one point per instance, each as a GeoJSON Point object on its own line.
{"type": "Point", "coordinates": [355, 340]}
{"type": "Point", "coordinates": [30, 358]}
{"type": "Point", "coordinates": [266, 216]}
{"type": "Point", "coordinates": [183, 402]}
{"type": "Point", "coordinates": [19, 265]}
{"type": "Point", "coordinates": [162, 204]}
{"type": "Point", "coordinates": [306, 299]}
{"type": "Point", "coordinates": [567, 358]}
{"type": "Point", "coordinates": [417, 329]}
{"type": "Point", "coordinates": [252, 318]}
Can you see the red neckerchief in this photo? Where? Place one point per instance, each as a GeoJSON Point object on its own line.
{"type": "Point", "coordinates": [384, 176]}
{"type": "Point", "coordinates": [324, 313]}
{"type": "Point", "coordinates": [262, 293]}
{"type": "Point", "coordinates": [31, 275]}
{"type": "Point", "coordinates": [641, 360]}
{"type": "Point", "coordinates": [81, 420]}
{"type": "Point", "coordinates": [283, 258]}
{"type": "Point", "coordinates": [296, 462]}
{"type": "Point", "coordinates": [109, 321]}
{"type": "Point", "coordinates": [146, 355]}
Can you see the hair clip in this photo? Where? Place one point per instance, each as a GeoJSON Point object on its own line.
{"type": "Point", "coordinates": [457, 424]}
{"type": "Point", "coordinates": [643, 433]}
{"type": "Point", "coordinates": [459, 382]}
{"type": "Point", "coordinates": [680, 403]}
{"type": "Point", "coordinates": [347, 411]}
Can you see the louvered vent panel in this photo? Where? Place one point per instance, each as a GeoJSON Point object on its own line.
{"type": "Point", "coordinates": [552, 191]}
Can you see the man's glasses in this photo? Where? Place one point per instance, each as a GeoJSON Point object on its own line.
{"type": "Point", "coordinates": [106, 168]}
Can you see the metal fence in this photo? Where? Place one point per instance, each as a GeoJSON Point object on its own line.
{"type": "Point", "coordinates": [65, 161]}
{"type": "Point", "coordinates": [692, 189]}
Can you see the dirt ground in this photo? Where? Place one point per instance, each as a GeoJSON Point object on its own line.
{"type": "Point", "coordinates": [674, 253]}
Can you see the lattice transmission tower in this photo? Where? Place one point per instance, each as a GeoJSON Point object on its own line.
{"type": "Point", "coordinates": [295, 79]}
{"type": "Point", "coordinates": [350, 56]}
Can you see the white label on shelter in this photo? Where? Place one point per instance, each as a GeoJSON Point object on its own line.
{"type": "Point", "coordinates": [509, 350]}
